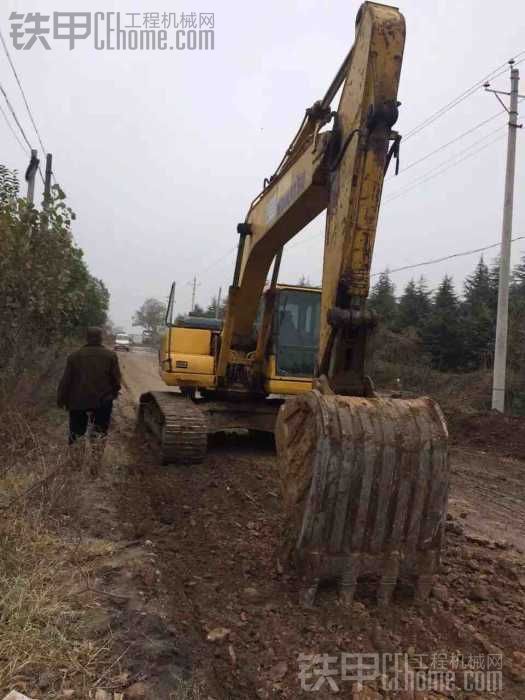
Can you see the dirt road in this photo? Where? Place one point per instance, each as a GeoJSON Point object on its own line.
{"type": "Point", "coordinates": [488, 490]}
{"type": "Point", "coordinates": [216, 530]}
{"type": "Point", "coordinates": [140, 372]}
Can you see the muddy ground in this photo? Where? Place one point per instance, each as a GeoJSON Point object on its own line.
{"type": "Point", "coordinates": [232, 612]}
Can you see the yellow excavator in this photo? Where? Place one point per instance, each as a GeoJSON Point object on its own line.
{"type": "Point", "coordinates": [364, 477]}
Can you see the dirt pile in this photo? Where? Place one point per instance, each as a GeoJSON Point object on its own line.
{"type": "Point", "coordinates": [491, 431]}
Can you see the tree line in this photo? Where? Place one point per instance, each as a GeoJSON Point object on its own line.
{"type": "Point", "coordinates": [47, 291]}
{"type": "Point", "coordinates": [152, 314]}
{"type": "Point", "coordinates": [215, 309]}
{"type": "Point", "coordinates": [457, 332]}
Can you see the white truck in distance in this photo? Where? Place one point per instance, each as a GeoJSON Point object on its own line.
{"type": "Point", "coordinates": [122, 342]}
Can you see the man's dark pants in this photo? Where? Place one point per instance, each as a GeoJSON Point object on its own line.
{"type": "Point", "coordinates": [100, 419]}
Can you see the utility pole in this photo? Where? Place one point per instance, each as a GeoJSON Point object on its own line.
{"type": "Point", "coordinates": [30, 176]}
{"type": "Point", "coordinates": [500, 351]}
{"type": "Point", "coordinates": [47, 192]}
{"type": "Point", "coordinates": [217, 308]}
{"type": "Point", "coordinates": [47, 185]}
{"type": "Point", "coordinates": [194, 285]}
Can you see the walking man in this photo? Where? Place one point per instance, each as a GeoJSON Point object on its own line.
{"type": "Point", "coordinates": [89, 385]}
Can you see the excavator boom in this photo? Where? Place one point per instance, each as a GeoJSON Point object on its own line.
{"type": "Point", "coordinates": [341, 170]}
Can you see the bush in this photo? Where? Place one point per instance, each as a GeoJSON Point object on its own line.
{"type": "Point", "coordinates": [399, 363]}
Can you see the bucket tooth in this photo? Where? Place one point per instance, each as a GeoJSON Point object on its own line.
{"type": "Point", "coordinates": [388, 581]}
{"type": "Point", "coordinates": [428, 565]}
{"type": "Point", "coordinates": [348, 581]}
{"type": "Point", "coordinates": [424, 585]}
{"type": "Point", "coordinates": [309, 593]}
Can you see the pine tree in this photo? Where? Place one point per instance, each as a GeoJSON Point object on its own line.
{"type": "Point", "coordinates": [518, 273]}
{"type": "Point", "coordinates": [478, 314]}
{"type": "Point", "coordinates": [423, 297]}
{"type": "Point", "coordinates": [407, 310]}
{"type": "Point", "coordinates": [517, 285]}
{"type": "Point", "coordinates": [382, 299]}
{"type": "Point", "coordinates": [197, 311]}
{"type": "Point", "coordinates": [442, 334]}
{"type": "Point", "coordinates": [478, 286]}
{"type": "Point", "coordinates": [212, 312]}
{"type": "Point", "coordinates": [212, 308]}
{"type": "Point", "coordinates": [494, 283]}
{"type": "Point", "coordinates": [414, 306]}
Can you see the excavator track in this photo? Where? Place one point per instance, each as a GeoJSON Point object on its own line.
{"type": "Point", "coordinates": [365, 485]}
{"type": "Point", "coordinates": [178, 424]}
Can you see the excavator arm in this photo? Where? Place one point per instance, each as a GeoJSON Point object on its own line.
{"type": "Point", "coordinates": [364, 478]}
{"type": "Point", "coordinates": [340, 170]}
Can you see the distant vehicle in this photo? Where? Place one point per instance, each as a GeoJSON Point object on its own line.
{"type": "Point", "coordinates": [148, 338]}
{"type": "Point", "coordinates": [122, 342]}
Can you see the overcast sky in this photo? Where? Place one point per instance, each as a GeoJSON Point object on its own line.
{"type": "Point", "coordinates": [161, 152]}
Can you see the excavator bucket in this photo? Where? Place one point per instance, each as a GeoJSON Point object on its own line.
{"type": "Point", "coordinates": [365, 485]}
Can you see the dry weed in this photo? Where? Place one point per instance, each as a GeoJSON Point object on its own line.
{"type": "Point", "coordinates": [188, 690]}
{"type": "Point", "coordinates": [44, 573]}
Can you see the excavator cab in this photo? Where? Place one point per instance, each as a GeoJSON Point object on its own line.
{"type": "Point", "coordinates": [189, 347]}
{"type": "Point", "coordinates": [294, 341]}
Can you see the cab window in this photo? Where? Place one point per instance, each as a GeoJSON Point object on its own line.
{"type": "Point", "coordinates": [296, 332]}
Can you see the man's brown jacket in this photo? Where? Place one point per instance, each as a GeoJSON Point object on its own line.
{"type": "Point", "coordinates": [91, 377]}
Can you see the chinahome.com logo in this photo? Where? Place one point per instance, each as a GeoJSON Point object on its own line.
{"type": "Point", "coordinates": [115, 31]}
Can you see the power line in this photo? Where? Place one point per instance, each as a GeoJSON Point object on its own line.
{"type": "Point", "coordinates": [447, 257]}
{"type": "Point", "coordinates": [438, 170]}
{"type": "Point", "coordinates": [460, 98]}
{"type": "Point", "coordinates": [444, 258]}
{"type": "Point", "coordinates": [19, 83]}
{"type": "Point", "coordinates": [11, 109]}
{"type": "Point", "coordinates": [219, 260]}
{"type": "Point", "coordinates": [215, 262]}
{"type": "Point", "coordinates": [12, 129]}
{"type": "Point", "coordinates": [448, 143]}
{"type": "Point", "coordinates": [30, 113]}
{"type": "Point", "coordinates": [447, 165]}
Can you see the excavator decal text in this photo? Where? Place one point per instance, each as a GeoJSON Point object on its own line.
{"type": "Point", "coordinates": [277, 205]}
